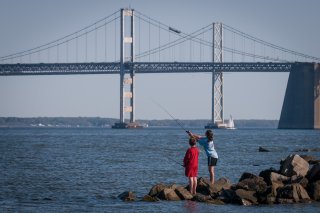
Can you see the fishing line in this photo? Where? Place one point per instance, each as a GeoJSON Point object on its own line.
{"type": "Point", "coordinates": [176, 120]}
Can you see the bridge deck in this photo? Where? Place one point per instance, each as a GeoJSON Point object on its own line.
{"type": "Point", "coordinates": [139, 67]}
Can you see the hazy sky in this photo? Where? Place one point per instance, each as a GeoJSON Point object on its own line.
{"type": "Point", "coordinates": [293, 24]}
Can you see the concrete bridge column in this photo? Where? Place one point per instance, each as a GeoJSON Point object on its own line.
{"type": "Point", "coordinates": [301, 106]}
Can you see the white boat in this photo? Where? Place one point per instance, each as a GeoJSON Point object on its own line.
{"type": "Point", "coordinates": [230, 124]}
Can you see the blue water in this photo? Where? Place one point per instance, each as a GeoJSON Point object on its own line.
{"type": "Point", "coordinates": [84, 170]}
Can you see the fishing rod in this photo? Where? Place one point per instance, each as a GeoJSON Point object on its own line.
{"type": "Point", "coordinates": [176, 120]}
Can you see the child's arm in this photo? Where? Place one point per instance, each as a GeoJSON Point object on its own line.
{"type": "Point", "coordinates": [197, 137]}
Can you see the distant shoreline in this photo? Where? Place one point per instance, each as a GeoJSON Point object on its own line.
{"type": "Point", "coordinates": [87, 122]}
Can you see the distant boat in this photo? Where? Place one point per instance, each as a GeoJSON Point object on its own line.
{"type": "Point", "coordinates": [230, 124]}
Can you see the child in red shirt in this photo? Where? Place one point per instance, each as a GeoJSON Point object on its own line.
{"type": "Point", "coordinates": [190, 162]}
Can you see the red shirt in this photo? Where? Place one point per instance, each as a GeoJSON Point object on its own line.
{"type": "Point", "coordinates": [190, 162]}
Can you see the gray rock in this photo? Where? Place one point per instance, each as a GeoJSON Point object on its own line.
{"type": "Point", "coordinates": [261, 149]}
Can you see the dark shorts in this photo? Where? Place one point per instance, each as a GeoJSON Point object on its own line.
{"type": "Point", "coordinates": [212, 161]}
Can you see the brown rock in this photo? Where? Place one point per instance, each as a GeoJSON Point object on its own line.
{"type": "Point", "coordinates": [127, 196]}
{"type": "Point", "coordinates": [314, 190]}
{"type": "Point", "coordinates": [266, 175]}
{"type": "Point", "coordinates": [204, 187]}
{"type": "Point", "coordinates": [298, 179]}
{"type": "Point", "coordinates": [221, 184]}
{"type": "Point", "coordinates": [284, 201]}
{"type": "Point", "coordinates": [314, 173]}
{"type": "Point", "coordinates": [247, 175]}
{"type": "Point", "coordinates": [215, 202]}
{"type": "Point", "coordinates": [308, 158]}
{"type": "Point", "coordinates": [183, 193]}
{"type": "Point", "coordinates": [246, 195]}
{"type": "Point", "coordinates": [148, 198]}
{"type": "Point", "coordinates": [201, 198]}
{"type": "Point", "coordinates": [294, 165]}
{"type": "Point", "coordinates": [293, 191]}
{"type": "Point", "coordinates": [244, 202]}
{"type": "Point", "coordinates": [275, 177]}
{"type": "Point", "coordinates": [252, 184]}
{"type": "Point", "coordinates": [169, 194]}
{"type": "Point", "coordinates": [156, 189]}
{"type": "Point", "coordinates": [227, 196]}
{"type": "Point", "coordinates": [299, 193]}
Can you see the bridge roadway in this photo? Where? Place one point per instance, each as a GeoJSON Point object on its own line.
{"type": "Point", "coordinates": [140, 67]}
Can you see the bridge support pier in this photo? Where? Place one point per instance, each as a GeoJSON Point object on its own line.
{"type": "Point", "coordinates": [301, 106]}
{"type": "Point", "coordinates": [217, 117]}
{"type": "Point", "coordinates": [127, 45]}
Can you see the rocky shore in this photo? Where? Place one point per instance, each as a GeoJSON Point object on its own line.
{"type": "Point", "coordinates": [297, 180]}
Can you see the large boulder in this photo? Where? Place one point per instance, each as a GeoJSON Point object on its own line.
{"type": "Point", "coordinates": [156, 189]}
{"type": "Point", "coordinates": [266, 175]}
{"type": "Point", "coordinates": [243, 196]}
{"type": "Point", "coordinates": [221, 184]}
{"type": "Point", "coordinates": [294, 165]}
{"type": "Point", "coordinates": [204, 187]}
{"type": "Point", "coordinates": [314, 173]}
{"type": "Point", "coordinates": [269, 196]}
{"type": "Point", "coordinates": [303, 181]}
{"type": "Point", "coordinates": [310, 159]}
{"type": "Point", "coordinates": [247, 175]}
{"type": "Point", "coordinates": [169, 194]}
{"type": "Point", "coordinates": [252, 184]}
{"type": "Point", "coordinates": [201, 198]}
{"type": "Point", "coordinates": [228, 196]}
{"type": "Point", "coordinates": [127, 196]}
{"type": "Point", "coordinates": [183, 193]}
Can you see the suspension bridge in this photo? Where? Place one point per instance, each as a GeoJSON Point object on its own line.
{"type": "Point", "coordinates": [128, 42]}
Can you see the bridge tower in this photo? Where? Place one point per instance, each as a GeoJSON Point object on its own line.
{"type": "Point", "coordinates": [217, 119]}
{"type": "Point", "coordinates": [127, 80]}
{"type": "Point", "coordinates": [301, 105]}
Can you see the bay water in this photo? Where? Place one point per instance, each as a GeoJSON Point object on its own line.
{"type": "Point", "coordinates": [85, 169]}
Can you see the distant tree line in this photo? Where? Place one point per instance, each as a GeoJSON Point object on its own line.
{"type": "Point", "coordinates": [108, 122]}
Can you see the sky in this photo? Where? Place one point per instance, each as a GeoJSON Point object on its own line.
{"type": "Point", "coordinates": [292, 24]}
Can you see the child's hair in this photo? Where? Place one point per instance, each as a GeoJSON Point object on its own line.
{"type": "Point", "coordinates": [192, 141]}
{"type": "Point", "coordinates": [209, 134]}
